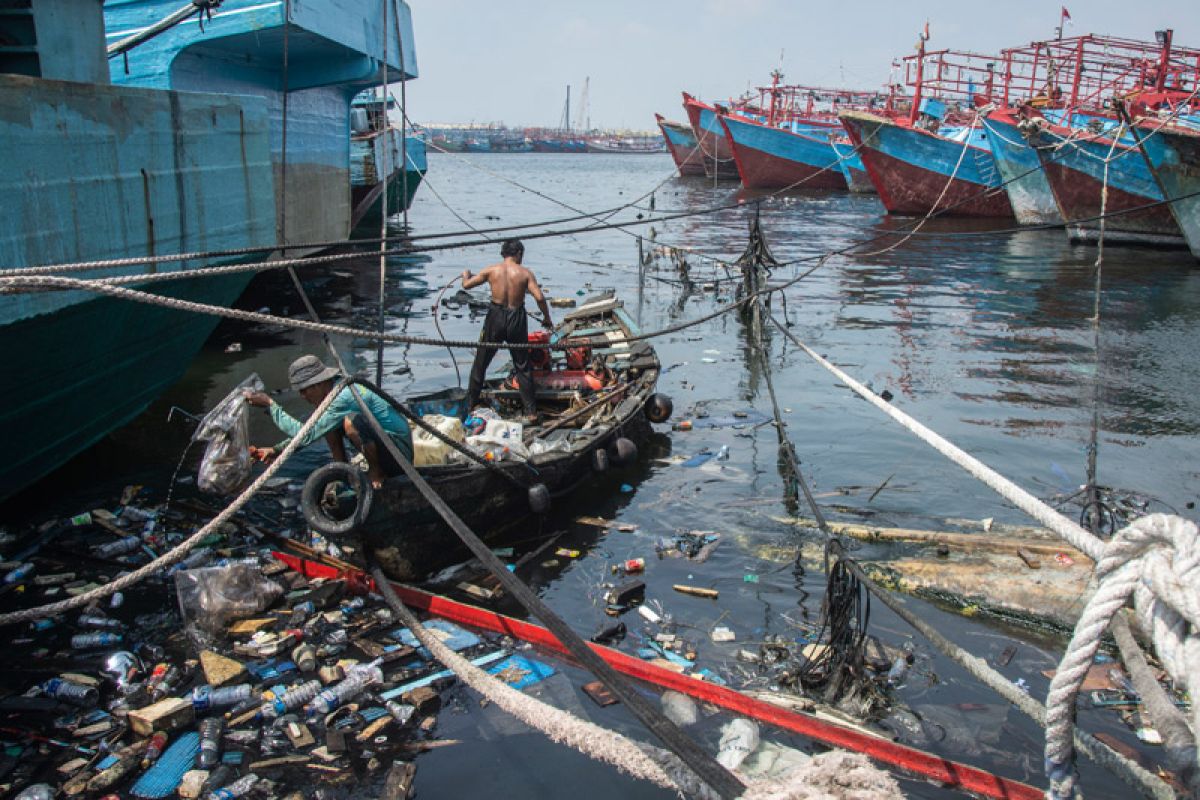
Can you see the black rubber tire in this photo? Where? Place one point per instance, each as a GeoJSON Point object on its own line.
{"type": "Point", "coordinates": [600, 460]}
{"type": "Point", "coordinates": [622, 452]}
{"type": "Point", "coordinates": [314, 490]}
{"type": "Point", "coordinates": [539, 498]}
{"type": "Point", "coordinates": [658, 407]}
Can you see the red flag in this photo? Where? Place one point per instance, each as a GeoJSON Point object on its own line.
{"type": "Point", "coordinates": [1065, 14]}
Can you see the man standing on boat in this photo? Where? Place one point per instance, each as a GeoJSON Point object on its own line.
{"type": "Point", "coordinates": [343, 419]}
{"type": "Point", "coordinates": [506, 321]}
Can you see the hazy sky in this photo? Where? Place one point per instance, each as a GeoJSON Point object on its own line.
{"type": "Point", "coordinates": [488, 61]}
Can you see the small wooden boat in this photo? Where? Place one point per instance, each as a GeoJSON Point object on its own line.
{"type": "Point", "coordinates": [595, 402]}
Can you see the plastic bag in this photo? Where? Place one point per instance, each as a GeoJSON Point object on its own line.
{"type": "Point", "coordinates": [225, 467]}
{"type": "Point", "coordinates": [210, 597]}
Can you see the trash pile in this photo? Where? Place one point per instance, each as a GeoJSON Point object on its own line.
{"type": "Point", "coordinates": [228, 676]}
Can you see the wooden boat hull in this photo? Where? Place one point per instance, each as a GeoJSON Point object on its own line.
{"type": "Point", "coordinates": [410, 540]}
{"type": "Point", "coordinates": [1175, 159]}
{"type": "Point", "coordinates": [917, 172]}
{"type": "Point", "coordinates": [1026, 184]}
{"type": "Point", "coordinates": [682, 144]}
{"type": "Point", "coordinates": [1076, 173]}
{"type": "Point", "coordinates": [773, 158]}
{"type": "Point", "coordinates": [718, 157]}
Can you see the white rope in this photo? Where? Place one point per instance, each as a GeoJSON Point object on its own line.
{"type": "Point", "coordinates": [1156, 559]}
{"type": "Point", "coordinates": [177, 553]}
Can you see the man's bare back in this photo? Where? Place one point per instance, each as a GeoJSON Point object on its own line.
{"type": "Point", "coordinates": [509, 282]}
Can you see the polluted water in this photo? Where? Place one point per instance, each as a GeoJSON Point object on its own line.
{"type": "Point", "coordinates": [312, 688]}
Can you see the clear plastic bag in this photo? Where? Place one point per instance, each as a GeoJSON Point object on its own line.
{"type": "Point", "coordinates": [210, 597]}
{"type": "Point", "coordinates": [225, 467]}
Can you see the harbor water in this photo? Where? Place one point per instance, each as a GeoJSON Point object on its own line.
{"type": "Point", "coordinates": [986, 336]}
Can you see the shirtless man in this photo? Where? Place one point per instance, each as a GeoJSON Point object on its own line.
{"type": "Point", "coordinates": [506, 321]}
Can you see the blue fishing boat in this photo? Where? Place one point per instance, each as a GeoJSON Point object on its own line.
{"type": "Point", "coordinates": [917, 171]}
{"type": "Point", "coordinates": [378, 145]}
{"type": "Point", "coordinates": [140, 129]}
{"type": "Point", "coordinates": [1020, 170]}
{"type": "Point", "coordinates": [718, 157]}
{"type": "Point", "coordinates": [1090, 175]}
{"type": "Point", "coordinates": [852, 166]}
{"type": "Point", "coordinates": [774, 157]}
{"type": "Point", "coordinates": [1174, 156]}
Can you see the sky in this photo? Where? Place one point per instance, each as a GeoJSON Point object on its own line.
{"type": "Point", "coordinates": [486, 61]}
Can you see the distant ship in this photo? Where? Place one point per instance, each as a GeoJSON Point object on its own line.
{"type": "Point", "coordinates": [170, 139]}
{"type": "Point", "coordinates": [626, 144]}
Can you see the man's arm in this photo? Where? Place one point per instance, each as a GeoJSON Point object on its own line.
{"type": "Point", "coordinates": [536, 292]}
{"type": "Point", "coordinates": [470, 281]}
{"type": "Point", "coordinates": [337, 444]}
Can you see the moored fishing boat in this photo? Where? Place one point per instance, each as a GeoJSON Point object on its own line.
{"type": "Point", "coordinates": [770, 157]}
{"type": "Point", "coordinates": [172, 146]}
{"type": "Point", "coordinates": [917, 171]}
{"type": "Point", "coordinates": [1091, 174]}
{"type": "Point", "coordinates": [1174, 157]}
{"type": "Point", "coordinates": [681, 143]}
{"type": "Point", "coordinates": [718, 157]}
{"type": "Point", "coordinates": [1020, 170]}
{"type": "Point", "coordinates": [374, 142]}
{"type": "Point", "coordinates": [857, 179]}
{"type": "Point", "coordinates": [596, 406]}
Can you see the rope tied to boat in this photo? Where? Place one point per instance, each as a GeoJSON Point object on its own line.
{"type": "Point", "coordinates": [1156, 560]}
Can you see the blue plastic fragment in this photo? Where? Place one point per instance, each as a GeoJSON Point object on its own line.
{"type": "Point", "coordinates": [626, 488]}
{"type": "Point", "coordinates": [700, 458]}
{"type": "Point", "coordinates": [233, 757]}
{"type": "Point", "coordinates": [524, 671]}
{"type": "Point", "coordinates": [284, 667]}
{"type": "Point", "coordinates": [479, 661]}
{"type": "Point", "coordinates": [712, 677]}
{"type": "Point", "coordinates": [452, 636]}
{"type": "Point", "coordinates": [162, 779]}
{"type": "Point", "coordinates": [106, 762]}
{"type": "Point", "coordinates": [674, 658]}
{"type": "Point", "coordinates": [373, 713]}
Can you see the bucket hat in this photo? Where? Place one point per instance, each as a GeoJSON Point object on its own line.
{"type": "Point", "coordinates": [308, 371]}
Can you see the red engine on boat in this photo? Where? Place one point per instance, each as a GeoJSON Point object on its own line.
{"type": "Point", "coordinates": [540, 358]}
{"type": "Point", "coordinates": [561, 379]}
{"type": "Point", "coordinates": [578, 357]}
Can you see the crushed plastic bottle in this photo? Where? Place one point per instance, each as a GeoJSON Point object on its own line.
{"type": "Point", "coordinates": [118, 547]}
{"type": "Point", "coordinates": [204, 697]}
{"type": "Point", "coordinates": [88, 641]}
{"type": "Point", "coordinates": [357, 680]}
{"type": "Point", "coordinates": [158, 743]}
{"type": "Point", "coordinates": [209, 754]}
{"type": "Point", "coordinates": [99, 621]}
{"type": "Point", "coordinates": [39, 791]}
{"type": "Point", "coordinates": [305, 657]}
{"type": "Point", "coordinates": [238, 788]}
{"type": "Point", "coordinates": [20, 573]}
{"type": "Point", "coordinates": [73, 693]}
{"type": "Point", "coordinates": [291, 699]}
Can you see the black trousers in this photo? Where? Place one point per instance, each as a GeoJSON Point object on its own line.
{"type": "Point", "coordinates": [510, 326]}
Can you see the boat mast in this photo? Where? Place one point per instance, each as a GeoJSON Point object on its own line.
{"type": "Point", "coordinates": [914, 112]}
{"type": "Point", "coordinates": [1164, 59]}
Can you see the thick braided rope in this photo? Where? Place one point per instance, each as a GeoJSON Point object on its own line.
{"type": "Point", "coordinates": [1156, 559]}
{"type": "Point", "coordinates": [177, 553]}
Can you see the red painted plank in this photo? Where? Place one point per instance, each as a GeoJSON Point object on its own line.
{"type": "Point", "coordinates": [911, 760]}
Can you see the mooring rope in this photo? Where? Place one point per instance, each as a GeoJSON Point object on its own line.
{"type": "Point", "coordinates": [177, 553]}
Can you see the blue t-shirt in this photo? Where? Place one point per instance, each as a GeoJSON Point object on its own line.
{"type": "Point", "coordinates": [343, 406]}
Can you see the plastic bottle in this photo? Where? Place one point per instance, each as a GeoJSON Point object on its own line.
{"type": "Point", "coordinates": [20, 573]}
{"type": "Point", "coordinates": [220, 776]}
{"type": "Point", "coordinates": [197, 558]}
{"type": "Point", "coordinates": [117, 600]}
{"type": "Point", "coordinates": [899, 669]}
{"type": "Point", "coordinates": [99, 621]}
{"type": "Point", "coordinates": [73, 693]}
{"type": "Point", "coordinates": [42, 624]}
{"type": "Point", "coordinates": [158, 743]}
{"type": "Point", "coordinates": [238, 788]}
{"type": "Point", "coordinates": [87, 641]}
{"type": "Point", "coordinates": [292, 698]}
{"type": "Point", "coordinates": [305, 657]}
{"type": "Point", "coordinates": [204, 697]}
{"type": "Point", "coordinates": [39, 791]}
{"type": "Point", "coordinates": [118, 547]}
{"type": "Point", "coordinates": [357, 679]}
{"type": "Point", "coordinates": [210, 742]}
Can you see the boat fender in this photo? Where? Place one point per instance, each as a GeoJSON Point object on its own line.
{"type": "Point", "coordinates": [600, 459]}
{"type": "Point", "coordinates": [314, 490]}
{"type": "Point", "coordinates": [622, 452]}
{"type": "Point", "coordinates": [539, 498]}
{"type": "Point", "coordinates": [658, 407]}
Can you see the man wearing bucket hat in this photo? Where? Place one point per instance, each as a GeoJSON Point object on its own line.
{"type": "Point", "coordinates": [342, 420]}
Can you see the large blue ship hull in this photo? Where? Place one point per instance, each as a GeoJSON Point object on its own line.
{"type": "Point", "coordinates": [182, 152]}
{"type": "Point", "coordinates": [1175, 159]}
{"type": "Point", "coordinates": [1021, 170]}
